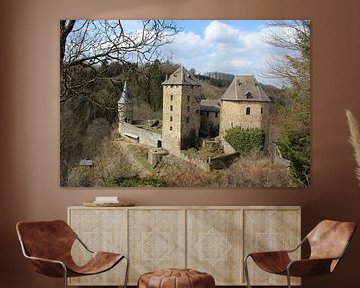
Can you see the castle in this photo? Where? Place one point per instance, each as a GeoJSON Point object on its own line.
{"type": "Point", "coordinates": [186, 117]}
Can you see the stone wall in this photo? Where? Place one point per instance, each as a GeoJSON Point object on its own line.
{"type": "Point", "coordinates": [197, 162]}
{"type": "Point", "coordinates": [209, 120]}
{"type": "Point", "coordinates": [233, 113]}
{"type": "Point", "coordinates": [223, 161]}
{"type": "Point", "coordinates": [171, 117]}
{"type": "Point", "coordinates": [190, 115]}
{"type": "Point", "coordinates": [181, 115]}
{"type": "Point", "coordinates": [146, 137]}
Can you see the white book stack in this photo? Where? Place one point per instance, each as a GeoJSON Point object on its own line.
{"type": "Point", "coordinates": [106, 199]}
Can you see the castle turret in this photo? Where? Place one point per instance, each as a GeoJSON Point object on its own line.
{"type": "Point", "coordinates": [181, 111]}
{"type": "Point", "coordinates": [125, 106]}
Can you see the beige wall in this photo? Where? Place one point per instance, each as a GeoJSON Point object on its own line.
{"type": "Point", "coordinates": [29, 120]}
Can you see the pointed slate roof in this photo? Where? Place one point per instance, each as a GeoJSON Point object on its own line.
{"type": "Point", "coordinates": [245, 88]}
{"type": "Point", "coordinates": [125, 97]}
{"type": "Point", "coordinates": [181, 77]}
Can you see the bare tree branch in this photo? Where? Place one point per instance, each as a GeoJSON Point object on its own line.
{"type": "Point", "coordinates": [92, 42]}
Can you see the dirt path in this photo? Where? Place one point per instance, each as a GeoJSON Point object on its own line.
{"type": "Point", "coordinates": [138, 167]}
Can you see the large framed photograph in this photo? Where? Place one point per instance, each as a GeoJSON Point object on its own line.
{"type": "Point", "coordinates": [185, 103]}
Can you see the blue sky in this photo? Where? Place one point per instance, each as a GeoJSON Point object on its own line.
{"type": "Point", "coordinates": [198, 26]}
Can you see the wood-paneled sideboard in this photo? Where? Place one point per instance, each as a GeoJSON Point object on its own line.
{"type": "Point", "coordinates": [211, 239]}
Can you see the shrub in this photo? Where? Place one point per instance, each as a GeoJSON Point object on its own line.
{"type": "Point", "coordinates": [295, 146]}
{"type": "Point", "coordinates": [136, 181]}
{"type": "Point", "coordinates": [245, 140]}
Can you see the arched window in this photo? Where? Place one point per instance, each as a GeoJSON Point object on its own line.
{"type": "Point", "coordinates": [171, 118]}
{"type": "Point", "coordinates": [171, 108]}
{"type": "Point", "coordinates": [247, 110]}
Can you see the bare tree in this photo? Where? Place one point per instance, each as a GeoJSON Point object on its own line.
{"type": "Point", "coordinates": [292, 120]}
{"type": "Point", "coordinates": [87, 49]}
{"type": "Point", "coordinates": [88, 43]}
{"type": "Point", "coordinates": [293, 36]}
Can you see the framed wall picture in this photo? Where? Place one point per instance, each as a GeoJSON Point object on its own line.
{"type": "Point", "coordinates": [185, 103]}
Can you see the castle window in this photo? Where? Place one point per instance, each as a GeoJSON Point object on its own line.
{"type": "Point", "coordinates": [262, 110]}
{"type": "Point", "coordinates": [187, 119]}
{"type": "Point", "coordinates": [171, 97]}
{"type": "Point", "coordinates": [171, 118]}
{"type": "Point", "coordinates": [248, 95]}
{"type": "Point", "coordinates": [188, 98]}
{"type": "Point", "coordinates": [247, 110]}
{"type": "Point", "coordinates": [188, 108]}
{"type": "Point", "coordinates": [216, 114]}
{"type": "Point", "coordinates": [207, 113]}
{"type": "Point", "coordinates": [170, 128]}
{"type": "Point", "coordinates": [171, 108]}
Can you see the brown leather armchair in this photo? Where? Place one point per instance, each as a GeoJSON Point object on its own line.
{"type": "Point", "coordinates": [328, 242]}
{"type": "Point", "coordinates": [48, 245]}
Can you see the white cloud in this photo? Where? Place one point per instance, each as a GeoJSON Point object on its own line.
{"type": "Point", "coordinates": [220, 33]}
{"type": "Point", "coordinates": [224, 48]}
{"type": "Point", "coordinates": [188, 43]}
{"type": "Point", "coordinates": [187, 48]}
{"type": "Point", "coordinates": [237, 63]}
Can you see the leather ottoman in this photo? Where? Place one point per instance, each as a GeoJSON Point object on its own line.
{"type": "Point", "coordinates": [176, 278]}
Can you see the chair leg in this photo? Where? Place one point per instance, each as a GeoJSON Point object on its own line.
{"type": "Point", "coordinates": [288, 278]}
{"type": "Point", "coordinates": [126, 271]}
{"type": "Point", "coordinates": [65, 276]}
{"type": "Point", "coordinates": [246, 271]}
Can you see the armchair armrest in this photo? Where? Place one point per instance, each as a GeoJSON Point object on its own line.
{"type": "Point", "coordinates": [49, 267]}
{"type": "Point", "coordinates": [298, 246]}
{"type": "Point", "coordinates": [279, 252]}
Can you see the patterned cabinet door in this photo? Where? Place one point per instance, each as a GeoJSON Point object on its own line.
{"type": "Point", "coordinates": [101, 230]}
{"type": "Point", "coordinates": [214, 244]}
{"type": "Point", "coordinates": [156, 240]}
{"type": "Point", "coordinates": [269, 230]}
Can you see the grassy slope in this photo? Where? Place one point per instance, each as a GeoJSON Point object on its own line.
{"type": "Point", "coordinates": [209, 91]}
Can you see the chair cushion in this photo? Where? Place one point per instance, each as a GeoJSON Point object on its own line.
{"type": "Point", "coordinates": [176, 278]}
{"type": "Point", "coordinates": [99, 262]}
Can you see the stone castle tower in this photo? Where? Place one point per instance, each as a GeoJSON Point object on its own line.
{"type": "Point", "coordinates": [245, 104]}
{"type": "Point", "coordinates": [125, 106]}
{"type": "Point", "coordinates": [181, 111]}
